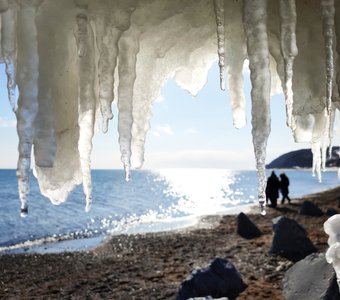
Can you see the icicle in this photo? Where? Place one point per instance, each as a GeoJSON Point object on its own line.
{"type": "Point", "coordinates": [45, 146]}
{"type": "Point", "coordinates": [219, 12]}
{"type": "Point", "coordinates": [236, 63]}
{"type": "Point", "coordinates": [87, 101]}
{"type": "Point", "coordinates": [44, 135]}
{"type": "Point", "coordinates": [237, 101]}
{"type": "Point", "coordinates": [28, 73]}
{"type": "Point", "coordinates": [316, 150]}
{"type": "Point", "coordinates": [128, 49]}
{"type": "Point", "coordinates": [81, 34]}
{"type": "Point", "coordinates": [9, 49]}
{"type": "Point", "coordinates": [320, 141]}
{"type": "Point", "coordinates": [331, 121]}
{"type": "Point", "coordinates": [327, 14]}
{"type": "Point", "coordinates": [141, 116]}
{"type": "Point", "coordinates": [44, 132]}
{"type": "Point", "coordinates": [3, 7]}
{"type": "Point", "coordinates": [323, 156]}
{"type": "Point", "coordinates": [255, 18]}
{"type": "Point", "coordinates": [336, 90]}
{"type": "Point", "coordinates": [326, 139]}
{"type": "Point", "coordinates": [23, 183]}
{"type": "Point", "coordinates": [289, 51]}
{"type": "Point", "coordinates": [109, 27]}
{"type": "Point", "coordinates": [107, 40]}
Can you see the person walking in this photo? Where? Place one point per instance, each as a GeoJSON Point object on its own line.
{"type": "Point", "coordinates": [284, 183]}
{"type": "Point", "coordinates": [272, 189]}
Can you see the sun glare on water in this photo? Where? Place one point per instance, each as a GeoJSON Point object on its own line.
{"type": "Point", "coordinates": [201, 191]}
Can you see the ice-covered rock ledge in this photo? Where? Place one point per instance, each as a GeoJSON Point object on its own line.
{"type": "Point", "coordinates": [332, 228]}
{"type": "Point", "coordinates": [71, 59]}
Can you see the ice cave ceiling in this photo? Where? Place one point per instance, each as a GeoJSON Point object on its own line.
{"type": "Point", "coordinates": [70, 59]}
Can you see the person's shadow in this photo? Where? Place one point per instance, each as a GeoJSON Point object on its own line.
{"type": "Point", "coordinates": [285, 209]}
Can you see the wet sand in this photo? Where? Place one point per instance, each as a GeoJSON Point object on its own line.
{"type": "Point", "coordinates": [152, 266]}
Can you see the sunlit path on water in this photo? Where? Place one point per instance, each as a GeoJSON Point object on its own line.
{"type": "Point", "coordinates": [165, 199]}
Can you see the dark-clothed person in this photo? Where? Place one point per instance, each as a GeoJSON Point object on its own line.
{"type": "Point", "coordinates": [284, 183]}
{"type": "Point", "coordinates": [272, 189]}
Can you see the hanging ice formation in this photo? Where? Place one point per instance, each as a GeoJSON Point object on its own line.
{"type": "Point", "coordinates": [289, 51]}
{"type": "Point", "coordinates": [87, 104]}
{"type": "Point", "coordinates": [8, 50]}
{"type": "Point", "coordinates": [327, 13]}
{"type": "Point", "coordinates": [28, 73]}
{"type": "Point", "coordinates": [219, 11]}
{"type": "Point", "coordinates": [255, 22]}
{"type": "Point", "coordinates": [125, 50]}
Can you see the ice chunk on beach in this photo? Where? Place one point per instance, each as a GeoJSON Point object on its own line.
{"type": "Point", "coordinates": [332, 228]}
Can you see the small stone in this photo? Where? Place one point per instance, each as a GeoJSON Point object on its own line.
{"type": "Point", "coordinates": [246, 228]}
{"type": "Point", "coordinates": [219, 279]}
{"type": "Point", "coordinates": [308, 208]}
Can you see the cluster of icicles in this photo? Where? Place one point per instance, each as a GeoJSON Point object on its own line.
{"type": "Point", "coordinates": [70, 59]}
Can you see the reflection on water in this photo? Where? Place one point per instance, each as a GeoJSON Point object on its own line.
{"type": "Point", "coordinates": [206, 191]}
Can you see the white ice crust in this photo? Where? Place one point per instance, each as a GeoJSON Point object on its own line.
{"type": "Point", "coordinates": [71, 60]}
{"type": "Point", "coordinates": [332, 228]}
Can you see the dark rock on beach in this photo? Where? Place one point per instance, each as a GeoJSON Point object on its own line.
{"type": "Point", "coordinates": [308, 208]}
{"type": "Point", "coordinates": [290, 240]}
{"type": "Point", "coordinates": [311, 278]}
{"type": "Point", "coordinates": [276, 220]}
{"type": "Point", "coordinates": [246, 228]}
{"type": "Point", "coordinates": [331, 212]}
{"type": "Point", "coordinates": [219, 279]}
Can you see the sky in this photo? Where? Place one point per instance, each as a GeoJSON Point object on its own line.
{"type": "Point", "coordinates": [185, 131]}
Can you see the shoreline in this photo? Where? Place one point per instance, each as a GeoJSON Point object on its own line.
{"type": "Point", "coordinates": [139, 224]}
{"type": "Point", "coordinates": [152, 265]}
{"type": "Point", "coordinates": [60, 244]}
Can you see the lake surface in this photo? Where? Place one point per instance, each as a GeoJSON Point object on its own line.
{"type": "Point", "coordinates": [152, 201]}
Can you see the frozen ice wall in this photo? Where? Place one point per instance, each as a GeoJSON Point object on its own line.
{"type": "Point", "coordinates": [332, 228]}
{"type": "Point", "coordinates": [71, 60]}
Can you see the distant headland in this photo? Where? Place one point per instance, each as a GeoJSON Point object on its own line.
{"type": "Point", "coordinates": [303, 158]}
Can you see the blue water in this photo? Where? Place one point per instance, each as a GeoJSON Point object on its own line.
{"type": "Point", "coordinates": [151, 201]}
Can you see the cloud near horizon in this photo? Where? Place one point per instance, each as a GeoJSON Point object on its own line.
{"type": "Point", "coordinates": [162, 129]}
{"type": "Point", "coordinates": [5, 123]}
{"type": "Point", "coordinates": [190, 131]}
{"type": "Point", "coordinates": [237, 160]}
